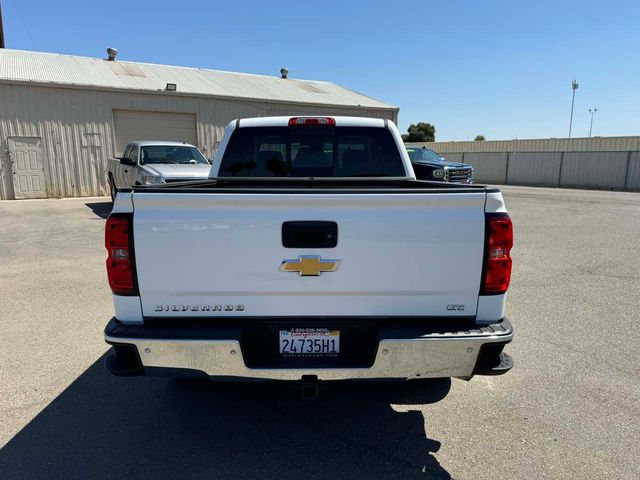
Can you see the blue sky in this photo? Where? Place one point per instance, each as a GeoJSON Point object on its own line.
{"type": "Point", "coordinates": [498, 68]}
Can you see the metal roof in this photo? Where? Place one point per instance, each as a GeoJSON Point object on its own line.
{"type": "Point", "coordinates": [51, 69]}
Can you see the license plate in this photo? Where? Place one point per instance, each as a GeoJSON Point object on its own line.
{"type": "Point", "coordinates": [309, 342]}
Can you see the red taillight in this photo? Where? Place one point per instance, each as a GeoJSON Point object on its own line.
{"type": "Point", "coordinates": [497, 273]}
{"type": "Point", "coordinates": [326, 121]}
{"type": "Point", "coordinates": [120, 268]}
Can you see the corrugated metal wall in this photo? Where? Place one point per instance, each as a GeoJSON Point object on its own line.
{"type": "Point", "coordinates": [604, 170]}
{"type": "Point", "coordinates": [65, 118]}
{"type": "Point", "coordinates": [594, 169]}
{"type": "Point", "coordinates": [633, 172]}
{"type": "Point", "coordinates": [534, 168]}
{"type": "Point", "coordinates": [490, 167]}
{"type": "Point", "coordinates": [593, 144]}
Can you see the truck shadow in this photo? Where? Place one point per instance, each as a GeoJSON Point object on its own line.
{"type": "Point", "coordinates": [103, 426]}
{"type": "Point", "coordinates": [101, 209]}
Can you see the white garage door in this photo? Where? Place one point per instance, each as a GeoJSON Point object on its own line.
{"type": "Point", "coordinates": [133, 125]}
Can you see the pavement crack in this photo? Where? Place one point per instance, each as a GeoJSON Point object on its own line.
{"type": "Point", "coordinates": [608, 275]}
{"type": "Point", "coordinates": [581, 352]}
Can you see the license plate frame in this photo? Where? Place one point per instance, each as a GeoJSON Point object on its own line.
{"type": "Point", "coordinates": [309, 342]}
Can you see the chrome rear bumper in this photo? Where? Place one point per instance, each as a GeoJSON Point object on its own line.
{"type": "Point", "coordinates": [443, 354]}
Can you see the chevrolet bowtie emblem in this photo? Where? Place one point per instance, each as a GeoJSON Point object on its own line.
{"type": "Point", "coordinates": [309, 265]}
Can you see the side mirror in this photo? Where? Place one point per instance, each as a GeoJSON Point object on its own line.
{"type": "Point", "coordinates": [126, 161]}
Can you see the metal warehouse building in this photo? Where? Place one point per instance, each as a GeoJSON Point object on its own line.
{"type": "Point", "coordinates": [62, 116]}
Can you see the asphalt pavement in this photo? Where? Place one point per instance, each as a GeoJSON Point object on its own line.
{"type": "Point", "coordinates": [570, 408]}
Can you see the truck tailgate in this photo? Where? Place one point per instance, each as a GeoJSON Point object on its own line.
{"type": "Point", "coordinates": [219, 254]}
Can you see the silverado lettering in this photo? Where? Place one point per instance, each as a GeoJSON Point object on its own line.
{"type": "Point", "coordinates": [197, 308]}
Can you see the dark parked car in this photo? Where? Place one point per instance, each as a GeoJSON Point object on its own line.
{"type": "Point", "coordinates": [428, 165]}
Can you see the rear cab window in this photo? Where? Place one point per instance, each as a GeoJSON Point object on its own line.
{"type": "Point", "coordinates": [310, 151]}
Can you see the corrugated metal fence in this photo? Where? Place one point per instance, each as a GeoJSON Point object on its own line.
{"type": "Point", "coordinates": [579, 144]}
{"type": "Point", "coordinates": [615, 170]}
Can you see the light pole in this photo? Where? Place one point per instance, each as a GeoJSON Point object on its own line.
{"type": "Point", "coordinates": [1, 30]}
{"type": "Point", "coordinates": [592, 112]}
{"type": "Point", "coordinates": [574, 87]}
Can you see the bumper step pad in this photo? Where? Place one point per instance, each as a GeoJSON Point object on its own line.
{"type": "Point", "coordinates": [502, 366]}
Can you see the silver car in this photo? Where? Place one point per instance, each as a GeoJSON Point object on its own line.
{"type": "Point", "coordinates": [154, 162]}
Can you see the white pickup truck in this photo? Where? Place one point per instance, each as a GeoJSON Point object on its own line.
{"type": "Point", "coordinates": [311, 253]}
{"type": "Point", "coordinates": [152, 162]}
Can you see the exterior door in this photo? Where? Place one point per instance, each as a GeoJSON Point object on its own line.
{"type": "Point", "coordinates": [27, 167]}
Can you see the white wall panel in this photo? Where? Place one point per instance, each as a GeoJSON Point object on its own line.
{"type": "Point", "coordinates": [534, 168]}
{"type": "Point", "coordinates": [633, 174]}
{"type": "Point", "coordinates": [594, 169]}
{"type": "Point", "coordinates": [593, 144]}
{"type": "Point", "coordinates": [488, 167]}
{"type": "Point", "coordinates": [76, 127]}
{"type": "Point", "coordinates": [612, 162]}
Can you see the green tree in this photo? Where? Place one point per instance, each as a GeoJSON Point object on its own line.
{"type": "Point", "coordinates": [479, 138]}
{"type": "Point", "coordinates": [420, 132]}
